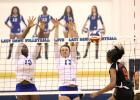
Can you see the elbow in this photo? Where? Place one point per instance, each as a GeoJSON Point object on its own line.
{"type": "Point", "coordinates": [112, 86]}
{"type": "Point", "coordinates": [5, 23]}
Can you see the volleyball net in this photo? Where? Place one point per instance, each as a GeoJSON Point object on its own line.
{"type": "Point", "coordinates": [92, 73]}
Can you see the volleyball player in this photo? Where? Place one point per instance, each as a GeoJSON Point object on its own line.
{"type": "Point", "coordinates": [25, 68]}
{"type": "Point", "coordinates": [66, 63]}
{"type": "Point", "coordinates": [45, 17]}
{"type": "Point", "coordinates": [119, 77]}
{"type": "Point", "coordinates": [68, 17]}
{"type": "Point", "coordinates": [15, 19]}
{"type": "Point", "coordinates": [94, 19]}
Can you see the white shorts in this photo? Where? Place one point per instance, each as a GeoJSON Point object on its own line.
{"type": "Point", "coordinates": [16, 33]}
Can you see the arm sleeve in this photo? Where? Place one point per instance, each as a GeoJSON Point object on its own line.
{"type": "Point", "coordinates": [100, 18]}
{"type": "Point", "coordinates": [6, 22]}
{"type": "Point", "coordinates": [39, 18]}
{"type": "Point", "coordinates": [73, 20]}
{"type": "Point", "coordinates": [88, 18]}
{"type": "Point", "coordinates": [51, 18]}
{"type": "Point", "coordinates": [22, 19]}
{"type": "Point", "coordinates": [62, 17]}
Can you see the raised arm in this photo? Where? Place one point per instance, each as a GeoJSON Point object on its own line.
{"type": "Point", "coordinates": [36, 51]}
{"type": "Point", "coordinates": [36, 28]}
{"type": "Point", "coordinates": [108, 87]}
{"type": "Point", "coordinates": [38, 46]}
{"type": "Point", "coordinates": [18, 50]}
{"type": "Point", "coordinates": [72, 34]}
{"type": "Point", "coordinates": [29, 26]}
{"type": "Point", "coordinates": [73, 51]}
{"type": "Point", "coordinates": [56, 35]}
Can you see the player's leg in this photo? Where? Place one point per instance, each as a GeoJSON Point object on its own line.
{"type": "Point", "coordinates": [96, 49]}
{"type": "Point", "coordinates": [19, 36]}
{"type": "Point", "coordinates": [46, 45]}
{"type": "Point", "coordinates": [39, 54]}
{"type": "Point", "coordinates": [23, 97]}
{"type": "Point", "coordinates": [77, 98]}
{"type": "Point", "coordinates": [40, 35]}
{"type": "Point", "coordinates": [35, 97]}
{"type": "Point", "coordinates": [12, 36]}
{"type": "Point", "coordinates": [78, 53]}
{"type": "Point", "coordinates": [87, 48]}
{"type": "Point", "coordinates": [64, 98]}
{"type": "Point", "coordinates": [111, 98]}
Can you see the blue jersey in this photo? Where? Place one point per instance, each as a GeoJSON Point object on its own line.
{"type": "Point", "coordinates": [67, 19]}
{"type": "Point", "coordinates": [46, 19]}
{"type": "Point", "coordinates": [15, 22]}
{"type": "Point", "coordinates": [94, 22]}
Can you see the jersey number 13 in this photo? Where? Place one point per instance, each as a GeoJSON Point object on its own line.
{"type": "Point", "coordinates": [29, 62]}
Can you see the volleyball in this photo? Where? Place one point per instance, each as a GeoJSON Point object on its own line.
{"type": "Point", "coordinates": [95, 36]}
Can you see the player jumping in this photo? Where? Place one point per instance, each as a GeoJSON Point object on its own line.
{"type": "Point", "coordinates": [66, 63]}
{"type": "Point", "coordinates": [119, 77]}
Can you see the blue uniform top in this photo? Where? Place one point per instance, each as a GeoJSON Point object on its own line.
{"type": "Point", "coordinates": [46, 19]}
{"type": "Point", "coordinates": [66, 18]}
{"type": "Point", "coordinates": [15, 22]}
{"type": "Point", "coordinates": [94, 22]}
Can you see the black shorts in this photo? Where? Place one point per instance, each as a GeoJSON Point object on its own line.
{"type": "Point", "coordinates": [124, 94]}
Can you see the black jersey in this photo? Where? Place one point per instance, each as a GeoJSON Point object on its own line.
{"type": "Point", "coordinates": [122, 80]}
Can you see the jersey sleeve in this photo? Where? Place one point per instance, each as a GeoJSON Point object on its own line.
{"type": "Point", "coordinates": [51, 18]}
{"type": "Point", "coordinates": [100, 18]}
{"type": "Point", "coordinates": [113, 66]}
{"type": "Point", "coordinates": [22, 19]}
{"type": "Point", "coordinates": [62, 17]}
{"type": "Point", "coordinates": [6, 22]}
{"type": "Point", "coordinates": [73, 20]}
{"type": "Point", "coordinates": [39, 18]}
{"type": "Point", "coordinates": [88, 18]}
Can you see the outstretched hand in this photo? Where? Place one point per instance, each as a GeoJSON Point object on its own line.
{"type": "Point", "coordinates": [42, 25]}
{"type": "Point", "coordinates": [31, 22]}
{"type": "Point", "coordinates": [72, 32]}
{"type": "Point", "coordinates": [56, 22]}
{"type": "Point", "coordinates": [70, 25]}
